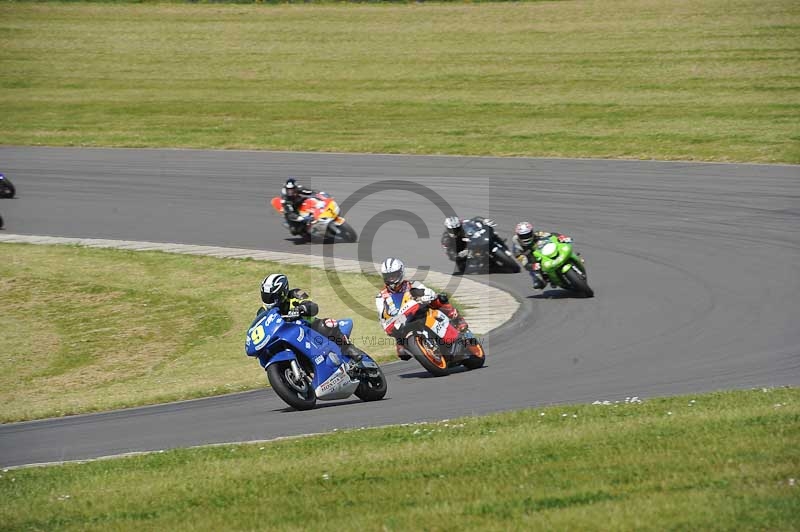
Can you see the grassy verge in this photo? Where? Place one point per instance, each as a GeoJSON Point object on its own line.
{"type": "Point", "coordinates": [88, 329]}
{"type": "Point", "coordinates": [721, 461]}
{"type": "Point", "coordinates": [710, 80]}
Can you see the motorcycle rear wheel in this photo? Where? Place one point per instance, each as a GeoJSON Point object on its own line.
{"type": "Point", "coordinates": [429, 356]}
{"type": "Point", "coordinates": [373, 388]}
{"type": "Point", "coordinates": [296, 395]}
{"type": "Point", "coordinates": [506, 262]}
{"type": "Point", "coordinates": [578, 281]}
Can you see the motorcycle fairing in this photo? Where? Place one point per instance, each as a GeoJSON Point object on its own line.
{"type": "Point", "coordinates": [438, 322]}
{"type": "Point", "coordinates": [338, 385]}
{"type": "Point", "coordinates": [326, 357]}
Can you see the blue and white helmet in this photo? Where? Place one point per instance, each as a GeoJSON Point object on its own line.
{"type": "Point", "coordinates": [393, 272]}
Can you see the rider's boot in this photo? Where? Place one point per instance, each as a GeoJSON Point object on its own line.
{"type": "Point", "coordinates": [353, 352]}
{"type": "Point", "coordinates": [402, 354]}
{"type": "Point", "coordinates": [538, 282]}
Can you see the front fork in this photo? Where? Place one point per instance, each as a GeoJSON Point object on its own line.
{"type": "Point", "coordinates": [297, 372]}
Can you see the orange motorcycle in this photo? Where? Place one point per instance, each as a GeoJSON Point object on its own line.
{"type": "Point", "coordinates": [321, 214]}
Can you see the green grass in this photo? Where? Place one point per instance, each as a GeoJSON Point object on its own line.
{"type": "Point", "coordinates": [87, 329]}
{"type": "Point", "coordinates": [686, 79]}
{"type": "Point", "coordinates": [721, 461]}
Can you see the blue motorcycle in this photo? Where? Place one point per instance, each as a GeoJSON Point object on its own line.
{"type": "Point", "coordinates": [7, 189]}
{"type": "Point", "coordinates": [302, 365]}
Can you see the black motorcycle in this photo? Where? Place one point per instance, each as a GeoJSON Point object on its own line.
{"type": "Point", "coordinates": [486, 252]}
{"type": "Point", "coordinates": [7, 189]}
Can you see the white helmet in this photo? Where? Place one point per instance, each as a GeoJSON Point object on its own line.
{"type": "Point", "coordinates": [524, 232]}
{"type": "Point", "coordinates": [452, 223]}
{"type": "Point", "coordinates": [393, 272]}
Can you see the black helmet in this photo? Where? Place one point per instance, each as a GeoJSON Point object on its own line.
{"type": "Point", "coordinates": [291, 187]}
{"type": "Point", "coordinates": [274, 289]}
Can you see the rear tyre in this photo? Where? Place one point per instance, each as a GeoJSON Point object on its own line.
{"type": "Point", "coordinates": [373, 388]}
{"type": "Point", "coordinates": [429, 355]}
{"type": "Point", "coordinates": [577, 279]}
{"type": "Point", "coordinates": [506, 262]}
{"type": "Point", "coordinates": [296, 394]}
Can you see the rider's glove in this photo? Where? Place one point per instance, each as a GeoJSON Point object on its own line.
{"type": "Point", "coordinates": [490, 222]}
{"type": "Point", "coordinates": [463, 253]}
{"type": "Point", "coordinates": [297, 311]}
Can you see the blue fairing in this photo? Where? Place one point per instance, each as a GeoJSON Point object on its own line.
{"type": "Point", "coordinates": [273, 339]}
{"type": "Point", "coordinates": [286, 355]}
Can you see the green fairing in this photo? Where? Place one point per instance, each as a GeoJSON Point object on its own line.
{"type": "Point", "coordinates": [559, 261]}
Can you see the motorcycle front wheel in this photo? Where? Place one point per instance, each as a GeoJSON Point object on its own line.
{"type": "Point", "coordinates": [347, 233]}
{"type": "Point", "coordinates": [429, 355]}
{"type": "Point", "coordinates": [340, 233]}
{"type": "Point", "coordinates": [578, 282]}
{"type": "Point", "coordinates": [297, 394]}
{"type": "Point", "coordinates": [478, 357]}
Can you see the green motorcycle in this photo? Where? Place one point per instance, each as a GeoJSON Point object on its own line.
{"type": "Point", "coordinates": [563, 266]}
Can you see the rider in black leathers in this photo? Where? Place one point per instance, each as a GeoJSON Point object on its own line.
{"type": "Point", "coordinates": [292, 196]}
{"type": "Point", "coordinates": [453, 236]}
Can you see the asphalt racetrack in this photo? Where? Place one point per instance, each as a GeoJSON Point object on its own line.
{"type": "Point", "coordinates": [696, 270]}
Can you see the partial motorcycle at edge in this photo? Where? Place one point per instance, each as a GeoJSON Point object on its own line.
{"type": "Point", "coordinates": [7, 189]}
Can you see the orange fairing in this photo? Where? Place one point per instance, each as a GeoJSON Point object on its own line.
{"type": "Point", "coordinates": [320, 207]}
{"type": "Point", "coordinates": [430, 319]}
{"type": "Point", "coordinates": [276, 204]}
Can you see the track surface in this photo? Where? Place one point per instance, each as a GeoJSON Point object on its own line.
{"type": "Point", "coordinates": [696, 268]}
